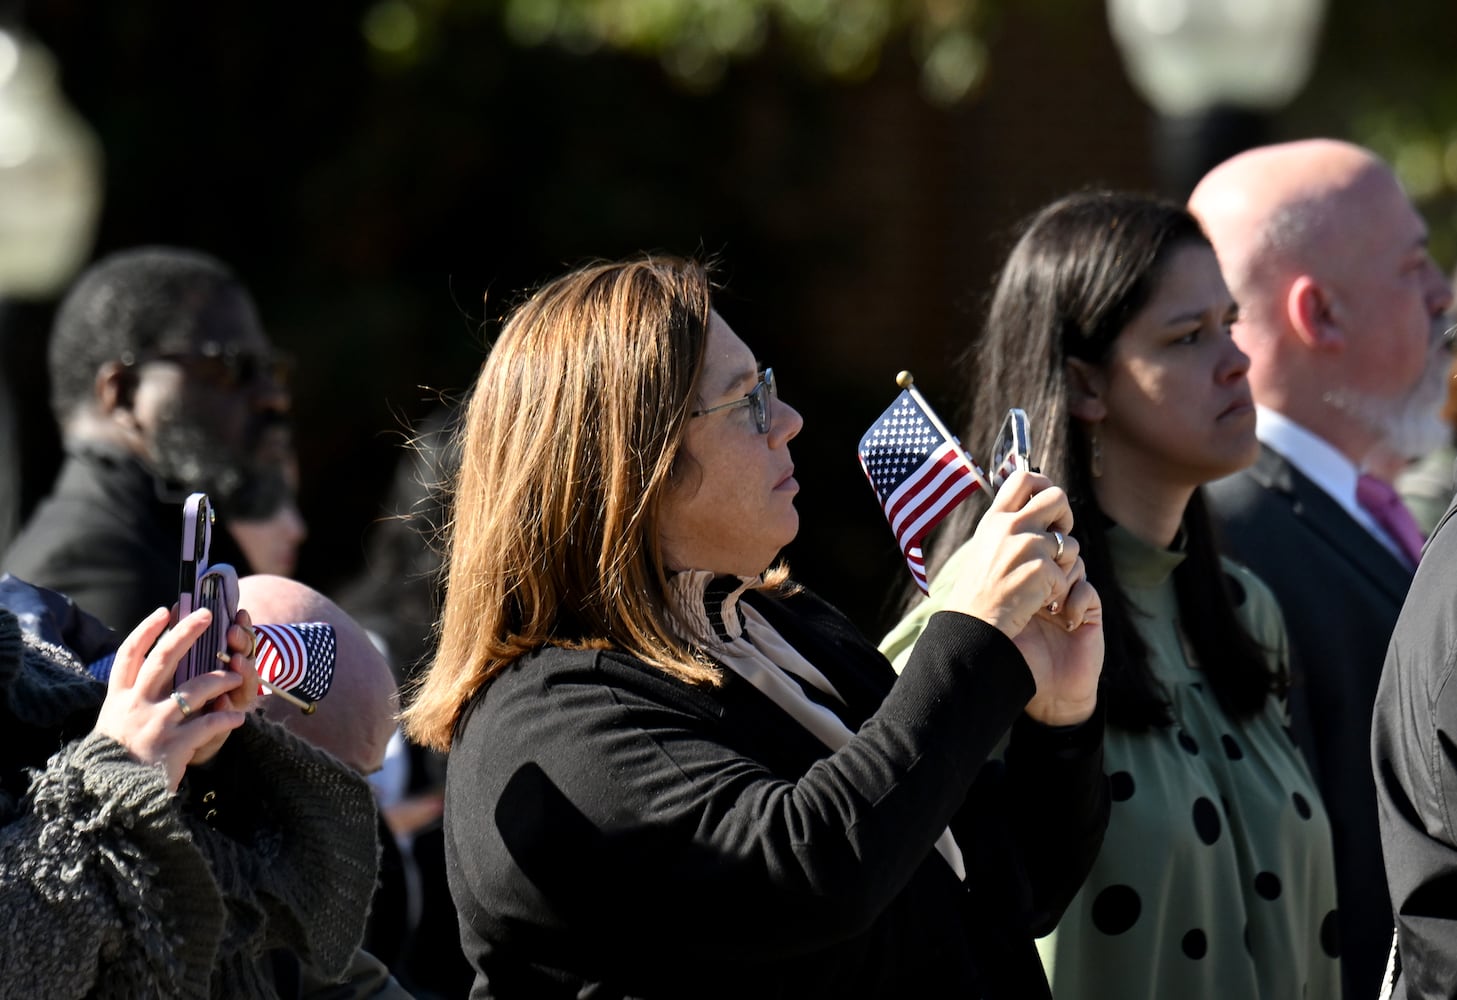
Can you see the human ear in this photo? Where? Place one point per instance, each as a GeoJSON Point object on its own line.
{"type": "Point", "coordinates": [1086, 386]}
{"type": "Point", "coordinates": [114, 395]}
{"type": "Point", "coordinates": [1312, 315]}
{"type": "Point", "coordinates": [114, 387]}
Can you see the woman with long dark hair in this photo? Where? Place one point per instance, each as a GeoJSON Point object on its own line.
{"type": "Point", "coordinates": [1110, 325]}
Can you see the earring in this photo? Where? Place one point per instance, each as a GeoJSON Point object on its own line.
{"type": "Point", "coordinates": [1096, 447]}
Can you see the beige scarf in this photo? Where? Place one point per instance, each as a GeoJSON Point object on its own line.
{"type": "Point", "coordinates": [767, 661]}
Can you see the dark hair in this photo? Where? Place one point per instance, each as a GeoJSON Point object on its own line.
{"type": "Point", "coordinates": [1084, 267]}
{"type": "Point", "coordinates": [147, 299]}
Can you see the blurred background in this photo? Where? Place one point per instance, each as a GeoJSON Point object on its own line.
{"type": "Point", "coordinates": [388, 176]}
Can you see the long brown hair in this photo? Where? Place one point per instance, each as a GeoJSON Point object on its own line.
{"type": "Point", "coordinates": [566, 448]}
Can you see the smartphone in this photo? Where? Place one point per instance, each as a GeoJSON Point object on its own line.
{"type": "Point", "coordinates": [1012, 449]}
{"type": "Point", "coordinates": [201, 585]}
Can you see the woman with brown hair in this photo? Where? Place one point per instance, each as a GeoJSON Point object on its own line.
{"type": "Point", "coordinates": [674, 773]}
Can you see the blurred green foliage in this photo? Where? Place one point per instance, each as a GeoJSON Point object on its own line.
{"type": "Point", "coordinates": [1386, 78]}
{"type": "Point", "coordinates": [1373, 85]}
{"type": "Point", "coordinates": [696, 40]}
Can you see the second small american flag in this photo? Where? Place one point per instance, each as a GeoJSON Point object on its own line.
{"type": "Point", "coordinates": [298, 658]}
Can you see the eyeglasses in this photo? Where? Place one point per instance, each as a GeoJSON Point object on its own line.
{"type": "Point", "coordinates": [224, 367]}
{"type": "Point", "coordinates": [757, 401]}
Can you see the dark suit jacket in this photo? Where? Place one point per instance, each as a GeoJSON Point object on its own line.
{"type": "Point", "coordinates": [1341, 591]}
{"type": "Point", "coordinates": [612, 832]}
{"type": "Point", "coordinates": [1414, 755]}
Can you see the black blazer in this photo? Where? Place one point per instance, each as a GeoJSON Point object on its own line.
{"type": "Point", "coordinates": [1414, 755]}
{"type": "Point", "coordinates": [613, 832]}
{"type": "Point", "coordinates": [1340, 590]}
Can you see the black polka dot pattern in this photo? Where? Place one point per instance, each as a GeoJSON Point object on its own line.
{"type": "Point", "coordinates": [1267, 884]}
{"type": "Point", "coordinates": [1194, 944]}
{"type": "Point", "coordinates": [1206, 820]}
{"type": "Point", "coordinates": [1302, 806]}
{"type": "Point", "coordinates": [1116, 909]}
{"type": "Point", "coordinates": [1188, 742]}
{"type": "Point", "coordinates": [1120, 786]}
{"type": "Point", "coordinates": [1330, 935]}
{"type": "Point", "coordinates": [1231, 748]}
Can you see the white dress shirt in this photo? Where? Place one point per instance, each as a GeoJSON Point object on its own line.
{"type": "Point", "coordinates": [1323, 465]}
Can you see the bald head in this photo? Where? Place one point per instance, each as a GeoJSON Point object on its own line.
{"type": "Point", "coordinates": [1287, 207]}
{"type": "Point", "coordinates": [1341, 307]}
{"type": "Point", "coordinates": [355, 719]}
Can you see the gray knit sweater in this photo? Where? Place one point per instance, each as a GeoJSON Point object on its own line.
{"type": "Point", "coordinates": [110, 886]}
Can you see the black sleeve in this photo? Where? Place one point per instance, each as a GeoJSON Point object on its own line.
{"type": "Point", "coordinates": [1043, 812]}
{"type": "Point", "coordinates": [627, 805]}
{"type": "Point", "coordinates": [1414, 754]}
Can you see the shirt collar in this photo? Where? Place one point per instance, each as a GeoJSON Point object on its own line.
{"type": "Point", "coordinates": [1139, 564]}
{"type": "Point", "coordinates": [1314, 457]}
{"type": "Point", "coordinates": [1329, 469]}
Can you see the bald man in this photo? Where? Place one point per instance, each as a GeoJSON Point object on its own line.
{"type": "Point", "coordinates": [355, 720]}
{"type": "Point", "coordinates": [1342, 312]}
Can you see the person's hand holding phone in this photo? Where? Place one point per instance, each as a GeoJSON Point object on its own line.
{"type": "Point", "coordinates": [1012, 450]}
{"type": "Point", "coordinates": [1028, 566]}
{"type": "Point", "coordinates": [186, 725]}
{"type": "Point", "coordinates": [242, 645]}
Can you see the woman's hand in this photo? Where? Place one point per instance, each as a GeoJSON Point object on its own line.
{"type": "Point", "coordinates": [1066, 659]}
{"type": "Point", "coordinates": [1017, 566]}
{"type": "Point", "coordinates": [158, 725]}
{"type": "Point", "coordinates": [1033, 586]}
{"type": "Point", "coordinates": [242, 643]}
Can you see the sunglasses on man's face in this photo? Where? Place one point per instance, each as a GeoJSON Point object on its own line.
{"type": "Point", "coordinates": [225, 368]}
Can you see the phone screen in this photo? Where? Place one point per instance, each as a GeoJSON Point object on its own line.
{"type": "Point", "coordinates": [1013, 447]}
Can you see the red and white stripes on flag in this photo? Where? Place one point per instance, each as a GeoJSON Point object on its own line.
{"type": "Point", "coordinates": [297, 657]}
{"type": "Point", "coordinates": [918, 472]}
{"type": "Point", "coordinates": [1009, 465]}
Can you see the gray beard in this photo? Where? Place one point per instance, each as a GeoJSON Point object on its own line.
{"type": "Point", "coordinates": [186, 457]}
{"type": "Point", "coordinates": [1410, 425]}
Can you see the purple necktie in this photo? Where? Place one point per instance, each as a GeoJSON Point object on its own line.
{"type": "Point", "coordinates": [1384, 505]}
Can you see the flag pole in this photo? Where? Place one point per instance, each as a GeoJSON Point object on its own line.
{"type": "Point", "coordinates": [306, 707]}
{"type": "Point", "coordinates": [907, 381]}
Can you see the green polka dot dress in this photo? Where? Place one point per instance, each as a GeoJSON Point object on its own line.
{"type": "Point", "coordinates": [1216, 878]}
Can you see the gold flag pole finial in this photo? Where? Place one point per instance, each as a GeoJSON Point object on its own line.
{"type": "Point", "coordinates": [907, 382]}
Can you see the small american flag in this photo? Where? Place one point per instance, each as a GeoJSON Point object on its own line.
{"type": "Point", "coordinates": [298, 658]}
{"type": "Point", "coordinates": [1009, 465]}
{"type": "Point", "coordinates": [918, 472]}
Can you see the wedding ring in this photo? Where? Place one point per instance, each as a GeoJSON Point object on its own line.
{"type": "Point", "coordinates": [252, 634]}
{"type": "Point", "coordinates": [1057, 537]}
{"type": "Point", "coordinates": [182, 704]}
